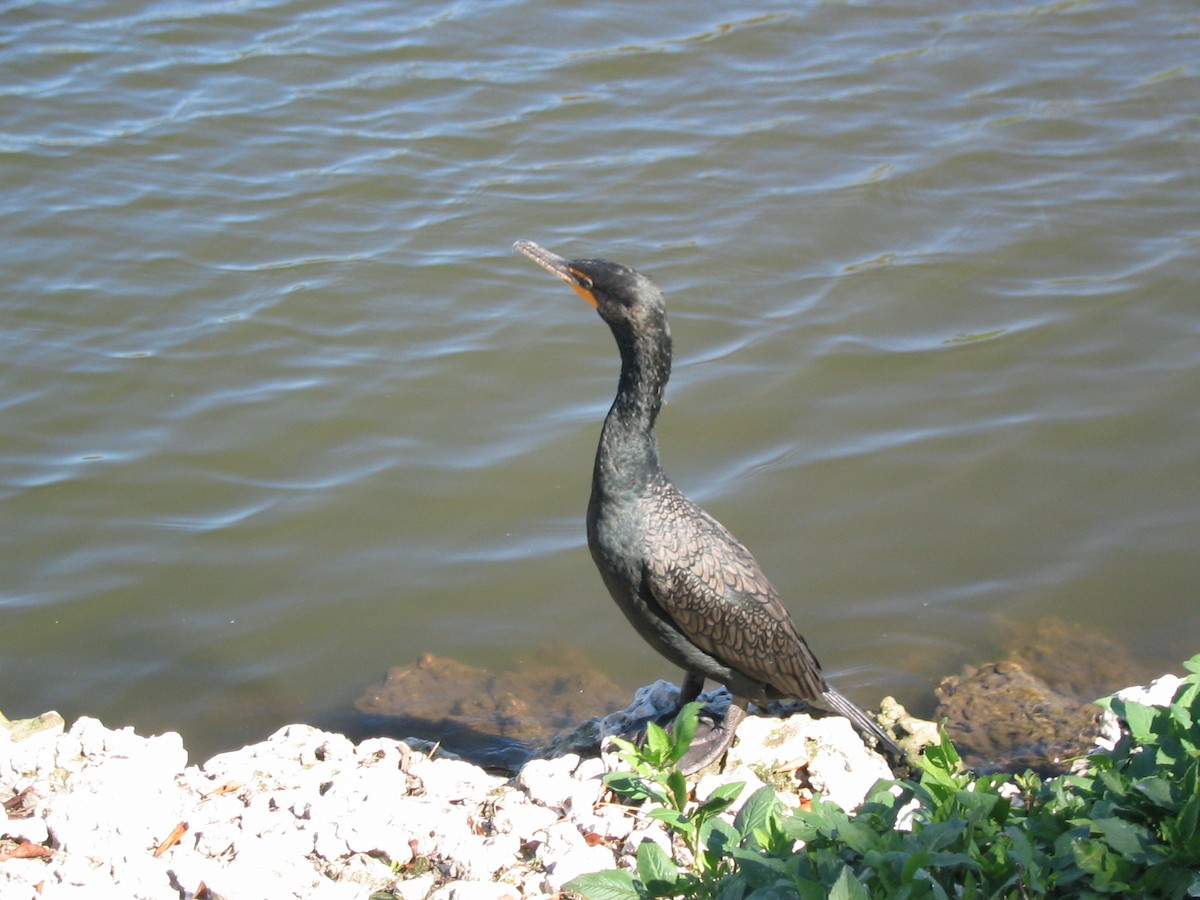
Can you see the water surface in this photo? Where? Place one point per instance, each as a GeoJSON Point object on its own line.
{"type": "Point", "coordinates": [279, 409]}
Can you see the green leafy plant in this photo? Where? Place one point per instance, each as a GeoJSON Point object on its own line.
{"type": "Point", "coordinates": [655, 777]}
{"type": "Point", "coordinates": [1127, 825]}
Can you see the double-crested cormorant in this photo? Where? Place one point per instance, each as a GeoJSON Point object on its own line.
{"type": "Point", "coordinates": [685, 583]}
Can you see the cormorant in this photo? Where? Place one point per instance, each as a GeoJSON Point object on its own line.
{"type": "Point", "coordinates": [691, 590]}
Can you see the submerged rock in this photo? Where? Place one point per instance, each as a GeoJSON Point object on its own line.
{"type": "Point", "coordinates": [1035, 710]}
{"type": "Point", "coordinates": [495, 718]}
{"type": "Point", "coordinates": [1004, 719]}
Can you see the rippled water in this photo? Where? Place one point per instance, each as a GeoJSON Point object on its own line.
{"type": "Point", "coordinates": [279, 409]}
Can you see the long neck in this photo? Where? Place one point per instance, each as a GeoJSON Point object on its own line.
{"type": "Point", "coordinates": [627, 457]}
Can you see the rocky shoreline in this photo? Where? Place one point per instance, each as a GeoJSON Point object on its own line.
{"type": "Point", "coordinates": [96, 812]}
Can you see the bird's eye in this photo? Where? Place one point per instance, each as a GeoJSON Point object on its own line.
{"type": "Point", "coordinates": [585, 282]}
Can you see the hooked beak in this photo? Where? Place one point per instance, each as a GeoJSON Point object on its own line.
{"type": "Point", "coordinates": [552, 262]}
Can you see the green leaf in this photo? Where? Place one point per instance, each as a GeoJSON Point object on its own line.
{"type": "Point", "coordinates": [943, 860]}
{"type": "Point", "coordinates": [1140, 720]}
{"type": "Point", "coordinates": [720, 799]}
{"type": "Point", "coordinates": [940, 835]}
{"type": "Point", "coordinates": [1185, 823]}
{"type": "Point", "coordinates": [677, 785]}
{"type": "Point", "coordinates": [1158, 790]}
{"type": "Point", "coordinates": [719, 836]}
{"type": "Point", "coordinates": [1089, 855]}
{"type": "Point", "coordinates": [656, 870]}
{"type": "Point", "coordinates": [944, 755]}
{"type": "Point", "coordinates": [685, 729]}
{"type": "Point", "coordinates": [847, 887]}
{"type": "Point", "coordinates": [624, 783]}
{"type": "Point", "coordinates": [759, 868]}
{"type": "Point", "coordinates": [1183, 705]}
{"type": "Point", "coordinates": [759, 809]}
{"type": "Point", "coordinates": [857, 836]}
{"type": "Point", "coordinates": [633, 787]}
{"type": "Point", "coordinates": [1021, 851]}
{"type": "Point", "coordinates": [613, 884]}
{"type": "Point", "coordinates": [919, 860]}
{"type": "Point", "coordinates": [658, 745]}
{"type": "Point", "coordinates": [623, 746]}
{"type": "Point", "coordinates": [1127, 838]}
{"type": "Point", "coordinates": [1193, 664]}
{"type": "Point", "coordinates": [671, 818]}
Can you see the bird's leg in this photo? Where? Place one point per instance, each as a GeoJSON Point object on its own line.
{"type": "Point", "coordinates": [708, 748]}
{"type": "Point", "coordinates": [692, 685]}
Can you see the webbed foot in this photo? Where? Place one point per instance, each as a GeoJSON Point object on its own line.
{"type": "Point", "coordinates": [712, 740]}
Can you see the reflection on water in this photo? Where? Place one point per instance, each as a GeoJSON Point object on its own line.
{"type": "Point", "coordinates": [280, 411]}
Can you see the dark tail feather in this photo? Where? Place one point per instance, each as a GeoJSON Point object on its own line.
{"type": "Point", "coordinates": [864, 724]}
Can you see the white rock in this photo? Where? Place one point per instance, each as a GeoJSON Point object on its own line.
{"type": "Point", "coordinates": [366, 872]}
{"type": "Point", "coordinates": [120, 806]}
{"type": "Point", "coordinates": [388, 828]}
{"type": "Point", "coordinates": [609, 821]}
{"type": "Point", "coordinates": [415, 888]}
{"type": "Point", "coordinates": [190, 870]}
{"type": "Point", "coordinates": [505, 850]}
{"type": "Point", "coordinates": [592, 767]}
{"type": "Point", "coordinates": [834, 759]}
{"type": "Point", "coordinates": [1160, 692]}
{"type": "Point", "coordinates": [473, 857]}
{"type": "Point", "coordinates": [82, 871]}
{"type": "Point", "coordinates": [749, 779]}
{"type": "Point", "coordinates": [566, 854]}
{"type": "Point", "coordinates": [90, 736]}
{"type": "Point", "coordinates": [216, 837]}
{"type": "Point", "coordinates": [328, 842]}
{"type": "Point", "coordinates": [19, 877]}
{"type": "Point", "coordinates": [583, 797]}
{"type": "Point", "coordinates": [640, 835]}
{"type": "Point", "coordinates": [21, 759]}
{"type": "Point", "coordinates": [259, 815]}
{"type": "Point", "coordinates": [383, 752]}
{"type": "Point", "coordinates": [32, 829]}
{"type": "Point", "coordinates": [299, 755]}
{"type": "Point", "coordinates": [251, 878]}
{"type": "Point", "coordinates": [475, 890]}
{"type": "Point", "coordinates": [842, 773]}
{"type": "Point", "coordinates": [143, 879]}
{"type": "Point", "coordinates": [579, 862]}
{"type": "Point", "coordinates": [289, 843]}
{"type": "Point", "coordinates": [550, 782]}
{"type": "Point", "coordinates": [454, 780]}
{"type": "Point", "coordinates": [523, 819]}
{"type": "Point", "coordinates": [335, 890]}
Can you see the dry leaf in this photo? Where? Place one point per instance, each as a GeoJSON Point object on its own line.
{"type": "Point", "coordinates": [172, 839]}
{"type": "Point", "coordinates": [227, 788]}
{"type": "Point", "coordinates": [26, 850]}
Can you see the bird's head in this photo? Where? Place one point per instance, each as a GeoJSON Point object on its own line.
{"type": "Point", "coordinates": [626, 299]}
